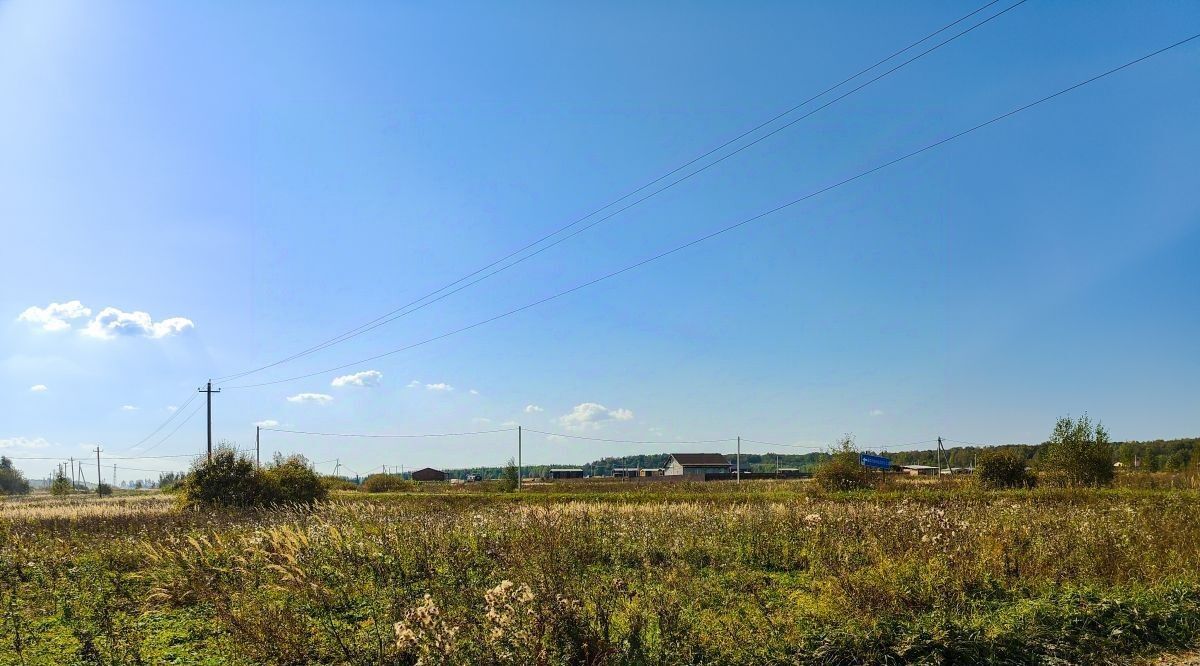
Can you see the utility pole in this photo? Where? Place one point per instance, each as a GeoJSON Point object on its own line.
{"type": "Point", "coordinates": [520, 467]}
{"type": "Point", "coordinates": [739, 459]}
{"type": "Point", "coordinates": [257, 452]}
{"type": "Point", "coordinates": [99, 482]}
{"type": "Point", "coordinates": [940, 450]}
{"type": "Point", "coordinates": [337, 466]}
{"type": "Point", "coordinates": [72, 459]}
{"type": "Point", "coordinates": [114, 476]}
{"type": "Point", "coordinates": [209, 390]}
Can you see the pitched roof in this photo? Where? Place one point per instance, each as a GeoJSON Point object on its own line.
{"type": "Point", "coordinates": [428, 469]}
{"type": "Point", "coordinates": [700, 459]}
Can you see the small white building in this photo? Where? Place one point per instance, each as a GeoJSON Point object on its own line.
{"type": "Point", "coordinates": [696, 465]}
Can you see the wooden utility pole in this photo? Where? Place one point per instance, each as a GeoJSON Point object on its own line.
{"type": "Point", "coordinates": [99, 482]}
{"type": "Point", "coordinates": [257, 451]}
{"type": "Point", "coordinates": [739, 459]}
{"type": "Point", "coordinates": [209, 390]}
{"type": "Point", "coordinates": [520, 467]}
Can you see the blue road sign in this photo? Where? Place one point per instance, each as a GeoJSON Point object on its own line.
{"type": "Point", "coordinates": [869, 460]}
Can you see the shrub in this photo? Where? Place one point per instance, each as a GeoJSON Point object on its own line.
{"type": "Point", "coordinates": [12, 481]}
{"type": "Point", "coordinates": [1002, 468]}
{"type": "Point", "coordinates": [290, 480]}
{"type": "Point", "coordinates": [1078, 454]}
{"type": "Point", "coordinates": [843, 470]}
{"type": "Point", "coordinates": [232, 480]}
{"type": "Point", "coordinates": [337, 483]}
{"type": "Point", "coordinates": [226, 480]}
{"type": "Point", "coordinates": [510, 479]}
{"type": "Point", "coordinates": [384, 483]}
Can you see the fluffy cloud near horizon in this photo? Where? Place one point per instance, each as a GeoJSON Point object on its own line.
{"type": "Point", "coordinates": [318, 398]}
{"type": "Point", "coordinates": [38, 388]}
{"type": "Point", "coordinates": [589, 415]}
{"type": "Point", "coordinates": [24, 443]}
{"type": "Point", "coordinates": [440, 386]}
{"type": "Point", "coordinates": [533, 409]}
{"type": "Point", "coordinates": [364, 378]}
{"type": "Point", "coordinates": [56, 316]}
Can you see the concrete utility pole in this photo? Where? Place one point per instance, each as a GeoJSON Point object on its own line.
{"type": "Point", "coordinates": [209, 390]}
{"type": "Point", "coordinates": [520, 468]}
{"type": "Point", "coordinates": [72, 459]}
{"type": "Point", "coordinates": [940, 449]}
{"type": "Point", "coordinates": [257, 454]}
{"type": "Point", "coordinates": [739, 459]}
{"type": "Point", "coordinates": [99, 482]}
{"type": "Point", "coordinates": [114, 475]}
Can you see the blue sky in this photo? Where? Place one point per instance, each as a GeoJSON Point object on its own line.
{"type": "Point", "coordinates": [254, 178]}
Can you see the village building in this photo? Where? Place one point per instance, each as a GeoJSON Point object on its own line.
{"type": "Point", "coordinates": [566, 473]}
{"type": "Point", "coordinates": [429, 474]}
{"type": "Point", "coordinates": [696, 465]}
{"type": "Point", "coordinates": [919, 470]}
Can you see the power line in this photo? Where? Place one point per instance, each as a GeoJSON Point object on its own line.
{"type": "Point", "coordinates": [162, 425]}
{"type": "Point", "coordinates": [734, 226]}
{"type": "Point", "coordinates": [172, 433]}
{"type": "Point", "coordinates": [630, 441]}
{"type": "Point", "coordinates": [353, 434]}
{"type": "Point", "coordinates": [405, 311]}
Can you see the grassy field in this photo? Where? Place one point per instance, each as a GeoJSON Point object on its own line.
{"type": "Point", "coordinates": [607, 572]}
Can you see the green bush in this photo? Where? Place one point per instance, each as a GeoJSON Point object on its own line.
{"type": "Point", "coordinates": [844, 470]}
{"type": "Point", "coordinates": [12, 481]}
{"type": "Point", "coordinates": [385, 483]}
{"type": "Point", "coordinates": [290, 480]}
{"type": "Point", "coordinates": [337, 483]}
{"type": "Point", "coordinates": [232, 480]}
{"type": "Point", "coordinates": [1002, 468]}
{"type": "Point", "coordinates": [1078, 454]}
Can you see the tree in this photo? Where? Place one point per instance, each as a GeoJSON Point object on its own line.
{"type": "Point", "coordinates": [511, 478]}
{"type": "Point", "coordinates": [1002, 468]}
{"type": "Point", "coordinates": [1078, 454]}
{"type": "Point", "coordinates": [12, 481]}
{"type": "Point", "coordinates": [844, 470]}
{"type": "Point", "coordinates": [61, 485]}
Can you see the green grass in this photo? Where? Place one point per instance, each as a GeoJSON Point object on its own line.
{"type": "Point", "coordinates": [608, 572]}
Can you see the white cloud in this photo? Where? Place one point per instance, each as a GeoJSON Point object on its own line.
{"type": "Point", "coordinates": [319, 398]}
{"type": "Point", "coordinates": [876, 412]}
{"type": "Point", "coordinates": [112, 322]}
{"type": "Point", "coordinates": [533, 409]}
{"type": "Point", "coordinates": [473, 392]}
{"type": "Point", "coordinates": [267, 423]}
{"type": "Point", "coordinates": [23, 443]}
{"type": "Point", "coordinates": [416, 383]}
{"type": "Point", "coordinates": [481, 420]}
{"type": "Point", "coordinates": [54, 317]}
{"type": "Point", "coordinates": [171, 408]}
{"type": "Point", "coordinates": [440, 386]}
{"type": "Point", "coordinates": [591, 414]}
{"type": "Point", "coordinates": [38, 388]}
{"type": "Point", "coordinates": [364, 378]}
{"type": "Point", "coordinates": [129, 408]}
